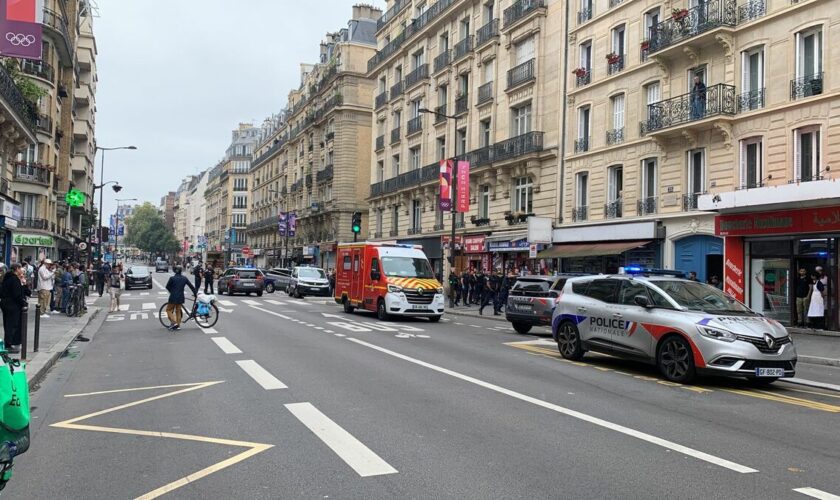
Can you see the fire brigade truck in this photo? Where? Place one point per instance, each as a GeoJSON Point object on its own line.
{"type": "Point", "coordinates": [387, 278]}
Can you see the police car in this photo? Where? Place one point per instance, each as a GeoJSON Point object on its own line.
{"type": "Point", "coordinates": [683, 327]}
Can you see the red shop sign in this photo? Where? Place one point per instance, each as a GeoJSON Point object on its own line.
{"type": "Point", "coordinates": [474, 244]}
{"type": "Point", "coordinates": [808, 220]}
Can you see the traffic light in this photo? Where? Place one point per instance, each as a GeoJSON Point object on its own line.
{"type": "Point", "coordinates": [357, 222]}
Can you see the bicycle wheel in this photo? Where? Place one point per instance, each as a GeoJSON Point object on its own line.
{"type": "Point", "coordinates": [164, 318]}
{"type": "Point", "coordinates": [208, 320]}
{"type": "Point", "coordinates": [71, 309]}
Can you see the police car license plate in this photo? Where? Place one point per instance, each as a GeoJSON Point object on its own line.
{"type": "Point", "coordinates": [769, 372]}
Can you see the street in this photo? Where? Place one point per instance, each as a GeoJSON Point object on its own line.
{"type": "Point", "coordinates": [290, 398]}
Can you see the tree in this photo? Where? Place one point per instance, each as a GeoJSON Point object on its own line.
{"type": "Point", "coordinates": [147, 231]}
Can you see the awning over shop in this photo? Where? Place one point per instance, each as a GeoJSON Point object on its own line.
{"type": "Point", "coordinates": [589, 249]}
{"type": "Point", "coordinates": [509, 236]}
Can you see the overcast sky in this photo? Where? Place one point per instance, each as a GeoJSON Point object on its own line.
{"type": "Point", "coordinates": [176, 76]}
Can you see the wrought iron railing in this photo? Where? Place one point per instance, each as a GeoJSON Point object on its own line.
{"type": "Point", "coordinates": [44, 124]}
{"type": "Point", "coordinates": [806, 86]}
{"type": "Point", "coordinates": [382, 99]}
{"type": "Point", "coordinates": [389, 14]}
{"type": "Point", "coordinates": [613, 209]}
{"type": "Point", "coordinates": [463, 48]}
{"type": "Point", "coordinates": [325, 174]}
{"type": "Point", "coordinates": [397, 89]}
{"type": "Point", "coordinates": [395, 134]}
{"type": "Point", "coordinates": [584, 14]}
{"type": "Point", "coordinates": [462, 104]}
{"type": "Point", "coordinates": [380, 143]}
{"type": "Point", "coordinates": [583, 77]}
{"type": "Point", "coordinates": [646, 206]}
{"type": "Point", "coordinates": [37, 68]}
{"type": "Point", "coordinates": [415, 124]}
{"type": "Point", "coordinates": [582, 145]}
{"type": "Point", "coordinates": [376, 189]}
{"type": "Point", "coordinates": [417, 75]}
{"type": "Point", "coordinates": [616, 63]}
{"type": "Point", "coordinates": [716, 100]}
{"type": "Point", "coordinates": [692, 22]}
{"type": "Point", "coordinates": [689, 201]}
{"type": "Point", "coordinates": [615, 136]}
{"type": "Point", "coordinates": [751, 10]}
{"type": "Point", "coordinates": [14, 98]}
{"type": "Point", "coordinates": [29, 172]}
{"type": "Point", "coordinates": [485, 93]}
{"type": "Point", "coordinates": [520, 9]}
{"type": "Point", "coordinates": [753, 99]}
{"type": "Point", "coordinates": [487, 32]}
{"type": "Point", "coordinates": [410, 30]}
{"type": "Point", "coordinates": [615, 3]}
{"type": "Point", "coordinates": [580, 213]}
{"type": "Point", "coordinates": [56, 21]}
{"type": "Point", "coordinates": [32, 223]}
{"type": "Point", "coordinates": [442, 60]}
{"type": "Point", "coordinates": [440, 114]}
{"type": "Point", "coordinates": [522, 73]}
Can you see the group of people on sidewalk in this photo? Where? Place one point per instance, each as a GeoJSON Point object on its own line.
{"type": "Point", "coordinates": [811, 293]}
{"type": "Point", "coordinates": [473, 287]}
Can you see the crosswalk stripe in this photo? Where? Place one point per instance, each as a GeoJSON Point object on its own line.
{"type": "Point", "coordinates": [251, 302]}
{"type": "Point", "coordinates": [210, 331]}
{"type": "Point", "coordinates": [226, 345]}
{"type": "Point", "coordinates": [260, 375]}
{"type": "Point", "coordinates": [149, 305]}
{"type": "Point", "coordinates": [298, 303]}
{"type": "Point", "coordinates": [123, 307]}
{"type": "Point", "coordinates": [226, 303]}
{"type": "Point", "coordinates": [275, 302]}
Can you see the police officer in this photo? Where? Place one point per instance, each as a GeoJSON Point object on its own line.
{"type": "Point", "coordinates": [454, 289]}
{"type": "Point", "coordinates": [480, 285]}
{"type": "Point", "coordinates": [490, 295]}
{"type": "Point", "coordinates": [466, 290]}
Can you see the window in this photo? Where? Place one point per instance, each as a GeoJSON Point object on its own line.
{"type": "Point", "coordinates": [416, 106]}
{"type": "Point", "coordinates": [488, 12]}
{"type": "Point", "coordinates": [397, 118]}
{"type": "Point", "coordinates": [523, 195]}
{"type": "Point", "coordinates": [487, 72]}
{"type": "Point", "coordinates": [751, 162]}
{"type": "Point", "coordinates": [414, 158]}
{"type": "Point", "coordinates": [420, 9]}
{"type": "Point", "coordinates": [441, 147]}
{"type": "Point", "coordinates": [355, 263]}
{"type": "Point", "coordinates": [618, 112]}
{"type": "Point", "coordinates": [582, 142]}
{"type": "Point", "coordinates": [443, 95]}
{"type": "Point", "coordinates": [582, 189]}
{"type": "Point", "coordinates": [30, 155]}
{"type": "Point", "coordinates": [418, 59]}
{"type": "Point", "coordinates": [416, 214]}
{"type": "Point", "coordinates": [615, 183]}
{"type": "Point", "coordinates": [395, 220]}
{"type": "Point", "coordinates": [652, 18]}
{"type": "Point", "coordinates": [752, 78]}
{"type": "Point", "coordinates": [395, 165]}
{"type": "Point", "coordinates": [465, 28]}
{"type": "Point", "coordinates": [586, 55]}
{"type": "Point", "coordinates": [461, 144]}
{"type": "Point", "coordinates": [443, 44]}
{"type": "Point", "coordinates": [484, 202]}
{"type": "Point", "coordinates": [809, 53]}
{"type": "Point", "coordinates": [524, 51]}
{"type": "Point", "coordinates": [398, 74]}
{"type": "Point", "coordinates": [648, 178]}
{"type": "Point", "coordinates": [463, 85]}
{"type": "Point", "coordinates": [806, 149]}
{"type": "Point", "coordinates": [696, 172]}
{"type": "Point", "coordinates": [383, 84]}
{"type": "Point", "coordinates": [29, 206]}
{"type": "Point", "coordinates": [585, 13]}
{"type": "Point", "coordinates": [379, 222]}
{"type": "Point", "coordinates": [438, 213]}
{"type": "Point", "coordinates": [618, 40]}
{"type": "Point", "coordinates": [603, 290]}
{"type": "Point", "coordinates": [521, 123]}
{"type": "Point", "coordinates": [629, 291]}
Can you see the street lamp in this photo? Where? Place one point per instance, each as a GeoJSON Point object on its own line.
{"type": "Point", "coordinates": [117, 188]}
{"type": "Point", "coordinates": [117, 226]}
{"type": "Point", "coordinates": [454, 196]}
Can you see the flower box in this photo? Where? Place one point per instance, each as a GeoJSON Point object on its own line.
{"type": "Point", "coordinates": [679, 14]}
{"type": "Point", "coordinates": [579, 72]}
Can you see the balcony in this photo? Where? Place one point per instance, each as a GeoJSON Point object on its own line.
{"type": "Point", "coordinates": [806, 86]}
{"type": "Point", "coordinates": [646, 206]}
{"type": "Point", "coordinates": [438, 227]}
{"type": "Point", "coordinates": [16, 103]}
{"type": "Point", "coordinates": [58, 25]}
{"type": "Point", "coordinates": [38, 69]}
{"type": "Point", "coordinates": [579, 214]}
{"type": "Point", "coordinates": [32, 173]}
{"type": "Point", "coordinates": [518, 75]}
{"type": "Point", "coordinates": [520, 10]}
{"type": "Point", "coordinates": [30, 223]}
{"type": "Point", "coordinates": [415, 230]}
{"type": "Point", "coordinates": [442, 60]}
{"type": "Point", "coordinates": [440, 114]}
{"type": "Point", "coordinates": [689, 201]}
{"type": "Point", "coordinates": [415, 125]}
{"type": "Point", "coordinates": [416, 76]}
{"type": "Point", "coordinates": [485, 93]}
{"type": "Point", "coordinates": [308, 180]}
{"type": "Point", "coordinates": [44, 124]}
{"type": "Point", "coordinates": [748, 101]}
{"type": "Point", "coordinates": [584, 14]}
{"type": "Point", "coordinates": [718, 100]}
{"type": "Point", "coordinates": [398, 7]}
{"type": "Point", "coordinates": [687, 24]}
{"type": "Point", "coordinates": [751, 10]}
{"type": "Point", "coordinates": [480, 221]}
{"type": "Point", "coordinates": [463, 48]}
{"type": "Point", "coordinates": [329, 136]}
{"type": "Point", "coordinates": [382, 99]}
{"type": "Point", "coordinates": [486, 33]}
{"type": "Point", "coordinates": [615, 136]}
{"type": "Point", "coordinates": [615, 63]}
{"type": "Point", "coordinates": [582, 145]}
{"type": "Point", "coordinates": [613, 209]}
{"type": "Point", "coordinates": [397, 89]}
{"type": "Point", "coordinates": [394, 232]}
{"type": "Point", "coordinates": [462, 104]}
{"type": "Point", "coordinates": [375, 189]}
{"type": "Point", "coordinates": [325, 175]}
{"type": "Point", "coordinates": [583, 76]}
{"type": "Point", "coordinates": [395, 135]}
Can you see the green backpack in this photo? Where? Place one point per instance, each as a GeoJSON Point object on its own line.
{"type": "Point", "coordinates": [14, 416]}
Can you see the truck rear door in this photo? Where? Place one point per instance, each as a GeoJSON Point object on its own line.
{"type": "Point", "coordinates": [357, 280]}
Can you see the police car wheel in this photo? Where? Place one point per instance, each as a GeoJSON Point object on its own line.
{"type": "Point", "coordinates": [269, 288]}
{"type": "Point", "coordinates": [568, 341]}
{"type": "Point", "coordinates": [675, 359]}
{"type": "Point", "coordinates": [522, 328]}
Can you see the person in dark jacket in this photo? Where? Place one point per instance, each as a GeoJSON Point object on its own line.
{"type": "Point", "coordinates": [13, 304]}
{"type": "Point", "coordinates": [454, 289]}
{"type": "Point", "coordinates": [491, 292]}
{"type": "Point", "coordinates": [480, 285]}
{"type": "Point", "coordinates": [198, 272]}
{"type": "Point", "coordinates": [466, 289]}
{"type": "Point", "coordinates": [208, 279]}
{"type": "Point", "coordinates": [175, 286]}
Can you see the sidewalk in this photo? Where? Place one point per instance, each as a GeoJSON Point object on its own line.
{"type": "Point", "coordinates": [56, 334]}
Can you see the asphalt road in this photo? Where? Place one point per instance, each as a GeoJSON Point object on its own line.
{"type": "Point", "coordinates": [290, 398]}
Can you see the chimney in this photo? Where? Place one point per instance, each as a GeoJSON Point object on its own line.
{"type": "Point", "coordinates": [366, 12]}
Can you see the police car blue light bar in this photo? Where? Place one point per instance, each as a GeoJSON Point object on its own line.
{"type": "Point", "coordinates": [651, 272]}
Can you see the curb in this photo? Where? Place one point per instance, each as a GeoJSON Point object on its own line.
{"type": "Point", "coordinates": [817, 360]}
{"type": "Point", "coordinates": [811, 383]}
{"type": "Point", "coordinates": [56, 351]}
{"type": "Point", "coordinates": [813, 333]}
{"type": "Point", "coordinates": [470, 315]}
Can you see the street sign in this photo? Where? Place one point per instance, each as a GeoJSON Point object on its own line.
{"type": "Point", "coordinates": [532, 251]}
{"type": "Point", "coordinates": [83, 246]}
{"type": "Point", "coordinates": [246, 251]}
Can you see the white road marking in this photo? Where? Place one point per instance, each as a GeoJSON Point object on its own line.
{"type": "Point", "coordinates": [260, 375]}
{"type": "Point", "coordinates": [328, 315]}
{"type": "Point", "coordinates": [328, 331]}
{"type": "Point", "coordinates": [251, 302]}
{"type": "Point", "coordinates": [310, 325]}
{"type": "Point", "coordinates": [226, 345]}
{"type": "Point", "coordinates": [163, 293]}
{"type": "Point", "coordinates": [812, 383]}
{"type": "Point", "coordinates": [222, 309]}
{"type": "Point", "coordinates": [339, 335]}
{"type": "Point", "coordinates": [149, 305]}
{"type": "Point", "coordinates": [210, 331]}
{"type": "Point", "coordinates": [138, 315]}
{"type": "Point", "coordinates": [359, 457]}
{"type": "Point", "coordinates": [123, 307]}
{"type": "Point", "coordinates": [226, 303]}
{"type": "Point", "coordinates": [815, 493]}
{"type": "Point", "coordinates": [276, 314]}
{"type": "Point", "coordinates": [299, 302]}
{"type": "Point", "coordinates": [319, 327]}
{"type": "Point", "coordinates": [116, 317]}
{"type": "Point", "coordinates": [275, 302]}
{"type": "Point", "coordinates": [571, 413]}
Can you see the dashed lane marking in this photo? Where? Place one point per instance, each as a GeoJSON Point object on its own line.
{"type": "Point", "coordinates": [210, 331]}
{"type": "Point", "coordinates": [275, 302]}
{"type": "Point", "coordinates": [226, 303]}
{"type": "Point", "coordinates": [149, 305]}
{"type": "Point", "coordinates": [815, 493]}
{"type": "Point", "coordinates": [251, 302]}
{"type": "Point", "coordinates": [260, 375]}
{"type": "Point", "coordinates": [226, 345]}
{"type": "Point", "coordinates": [359, 457]}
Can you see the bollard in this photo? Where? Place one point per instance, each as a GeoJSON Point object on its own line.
{"type": "Point", "coordinates": [37, 327]}
{"type": "Point", "coordinates": [24, 323]}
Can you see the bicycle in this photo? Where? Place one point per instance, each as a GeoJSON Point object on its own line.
{"type": "Point", "coordinates": [76, 304]}
{"type": "Point", "coordinates": [203, 320]}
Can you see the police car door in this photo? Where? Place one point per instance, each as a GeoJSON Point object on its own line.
{"type": "Point", "coordinates": [634, 316]}
{"type": "Point", "coordinates": [596, 315]}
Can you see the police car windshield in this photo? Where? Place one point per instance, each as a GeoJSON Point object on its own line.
{"type": "Point", "coordinates": [407, 267]}
{"type": "Point", "coordinates": [700, 297]}
{"type": "Point", "coordinates": [311, 272]}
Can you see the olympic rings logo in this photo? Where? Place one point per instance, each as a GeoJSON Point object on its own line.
{"type": "Point", "coordinates": [20, 39]}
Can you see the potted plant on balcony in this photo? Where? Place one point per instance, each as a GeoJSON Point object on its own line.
{"type": "Point", "coordinates": [679, 14]}
{"type": "Point", "coordinates": [613, 58]}
{"type": "Point", "coordinates": [645, 45]}
{"type": "Point", "coordinates": [579, 72]}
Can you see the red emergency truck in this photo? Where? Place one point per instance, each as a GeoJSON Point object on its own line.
{"type": "Point", "coordinates": [388, 278]}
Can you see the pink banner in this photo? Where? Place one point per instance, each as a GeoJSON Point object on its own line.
{"type": "Point", "coordinates": [446, 185]}
{"type": "Point", "coordinates": [21, 10]}
{"type": "Point", "coordinates": [463, 186]}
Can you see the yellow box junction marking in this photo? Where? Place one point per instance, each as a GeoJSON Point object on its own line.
{"type": "Point", "coordinates": [253, 448]}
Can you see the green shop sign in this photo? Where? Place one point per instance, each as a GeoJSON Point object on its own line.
{"type": "Point", "coordinates": [33, 240]}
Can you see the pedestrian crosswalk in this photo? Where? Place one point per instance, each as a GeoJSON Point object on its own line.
{"type": "Point", "coordinates": [140, 311]}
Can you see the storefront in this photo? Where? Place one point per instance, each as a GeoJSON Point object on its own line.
{"type": "Point", "coordinates": [511, 251]}
{"type": "Point", "coordinates": [606, 248]}
{"type": "Point", "coordinates": [763, 252]}
{"type": "Point", "coordinates": [327, 251]}
{"type": "Point", "coordinates": [309, 255]}
{"type": "Point", "coordinates": [35, 246]}
{"type": "Point", "coordinates": [10, 215]}
{"type": "Point", "coordinates": [477, 256]}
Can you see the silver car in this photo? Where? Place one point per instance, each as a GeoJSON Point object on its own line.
{"type": "Point", "coordinates": [683, 327]}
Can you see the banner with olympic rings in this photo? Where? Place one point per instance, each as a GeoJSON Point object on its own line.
{"type": "Point", "coordinates": [20, 28]}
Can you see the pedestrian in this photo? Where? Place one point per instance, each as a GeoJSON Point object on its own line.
{"type": "Point", "coordinates": [174, 306]}
{"type": "Point", "coordinates": [473, 284]}
{"type": "Point", "coordinates": [803, 300]}
{"type": "Point", "coordinates": [99, 277]}
{"type": "Point", "coordinates": [332, 281]}
{"type": "Point", "coordinates": [198, 272]}
{"type": "Point", "coordinates": [480, 285]}
{"type": "Point", "coordinates": [465, 288]}
{"type": "Point", "coordinates": [698, 98]}
{"type": "Point", "coordinates": [454, 289]}
{"type": "Point", "coordinates": [493, 285]}
{"type": "Point", "coordinates": [29, 273]}
{"type": "Point", "coordinates": [208, 279]}
{"type": "Point", "coordinates": [46, 277]}
{"type": "Point", "coordinates": [13, 303]}
{"type": "Point", "coordinates": [66, 281]}
{"type": "Point", "coordinates": [715, 282]}
{"type": "Point", "coordinates": [816, 308]}
{"type": "Point", "coordinates": [692, 276]}
{"type": "Point", "coordinates": [114, 290]}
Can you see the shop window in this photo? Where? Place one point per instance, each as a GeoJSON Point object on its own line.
{"type": "Point", "coordinates": [751, 163]}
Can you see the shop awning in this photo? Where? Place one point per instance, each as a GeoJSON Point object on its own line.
{"type": "Point", "coordinates": [589, 249]}
{"type": "Point", "coordinates": [510, 236]}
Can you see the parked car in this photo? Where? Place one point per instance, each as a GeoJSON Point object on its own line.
{"type": "Point", "coordinates": [531, 301]}
{"type": "Point", "coordinates": [308, 281]}
{"type": "Point", "coordinates": [138, 277]}
{"type": "Point", "coordinates": [281, 278]}
{"type": "Point", "coordinates": [270, 281]}
{"type": "Point", "coordinates": [161, 266]}
{"type": "Point", "coordinates": [683, 327]}
{"type": "Point", "coordinates": [242, 280]}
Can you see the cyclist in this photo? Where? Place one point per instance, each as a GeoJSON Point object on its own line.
{"type": "Point", "coordinates": [175, 286]}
